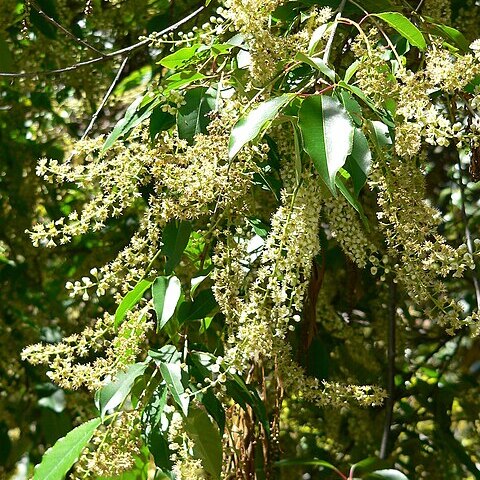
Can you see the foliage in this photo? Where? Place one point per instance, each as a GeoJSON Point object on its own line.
{"type": "Point", "coordinates": [239, 239]}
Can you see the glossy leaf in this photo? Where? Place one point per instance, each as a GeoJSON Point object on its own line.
{"type": "Point", "coordinates": [352, 200]}
{"type": "Point", "coordinates": [136, 113]}
{"type": "Point", "coordinates": [166, 292]}
{"type": "Point", "coordinates": [388, 474]}
{"type": "Point", "coordinates": [130, 300]}
{"type": "Point", "coordinates": [258, 119]}
{"type": "Point", "coordinates": [404, 27]}
{"type": "Point", "coordinates": [203, 304]}
{"type": "Point", "coordinates": [207, 440]}
{"type": "Point", "coordinates": [316, 63]}
{"type": "Point", "coordinates": [453, 35]}
{"type": "Point", "coordinates": [179, 58]}
{"type": "Point", "coordinates": [58, 460]}
{"type": "Point", "coordinates": [175, 378]}
{"type": "Point", "coordinates": [160, 121]}
{"type": "Point", "coordinates": [192, 117]}
{"type": "Point", "coordinates": [113, 394]}
{"type": "Point", "coordinates": [175, 239]}
{"type": "Point", "coordinates": [327, 132]}
{"type": "Point", "coordinates": [359, 162]}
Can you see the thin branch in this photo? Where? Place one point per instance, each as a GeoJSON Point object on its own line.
{"type": "Point", "coordinates": [419, 6]}
{"type": "Point", "coordinates": [468, 235]}
{"type": "Point", "coordinates": [64, 30]}
{"type": "Point", "coordinates": [105, 98]}
{"type": "Point", "coordinates": [391, 371]}
{"type": "Point", "coordinates": [328, 47]}
{"type": "Point", "coordinates": [107, 56]}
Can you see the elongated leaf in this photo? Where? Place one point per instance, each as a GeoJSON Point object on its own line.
{"type": "Point", "coordinates": [166, 292]}
{"type": "Point", "coordinates": [175, 379]}
{"type": "Point", "coordinates": [388, 474]}
{"type": "Point", "coordinates": [352, 200]}
{"type": "Point", "coordinates": [130, 300]}
{"type": "Point", "coordinates": [160, 121]}
{"type": "Point", "coordinates": [404, 27]}
{"type": "Point", "coordinates": [180, 57]}
{"type": "Point", "coordinates": [452, 34]}
{"type": "Point", "coordinates": [113, 394]}
{"type": "Point", "coordinates": [250, 126]}
{"type": "Point", "coordinates": [207, 440]}
{"type": "Point", "coordinates": [153, 432]}
{"type": "Point", "coordinates": [203, 304]}
{"type": "Point", "coordinates": [58, 460]}
{"type": "Point", "coordinates": [139, 110]}
{"type": "Point", "coordinates": [175, 239]}
{"type": "Point", "coordinates": [360, 161]}
{"type": "Point", "coordinates": [296, 463]}
{"type": "Point", "coordinates": [327, 132]}
{"type": "Point", "coordinates": [316, 63]}
{"type": "Point", "coordinates": [181, 79]}
{"type": "Point", "coordinates": [192, 117]}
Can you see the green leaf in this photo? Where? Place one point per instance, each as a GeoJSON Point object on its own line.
{"type": "Point", "coordinates": [176, 378]}
{"type": "Point", "coordinates": [297, 463]}
{"type": "Point", "coordinates": [136, 113]}
{"type": "Point", "coordinates": [160, 121]}
{"type": "Point", "coordinates": [181, 79]}
{"type": "Point", "coordinates": [166, 292]}
{"type": "Point", "coordinates": [258, 119]}
{"type": "Point", "coordinates": [175, 239]}
{"type": "Point", "coordinates": [192, 117]}
{"type": "Point", "coordinates": [152, 419]}
{"type": "Point", "coordinates": [207, 440]}
{"type": "Point", "coordinates": [203, 304]}
{"type": "Point", "coordinates": [6, 59]}
{"type": "Point", "coordinates": [452, 34]}
{"type": "Point", "coordinates": [130, 300]}
{"type": "Point", "coordinates": [352, 106]}
{"type": "Point", "coordinates": [114, 393]}
{"type": "Point", "coordinates": [327, 132]}
{"type": "Point", "coordinates": [404, 27]}
{"type": "Point", "coordinates": [179, 58]}
{"type": "Point", "coordinates": [369, 464]}
{"type": "Point", "coordinates": [245, 395]}
{"type": "Point", "coordinates": [317, 64]}
{"type": "Point", "coordinates": [352, 200]}
{"type": "Point", "coordinates": [58, 460]}
{"type": "Point", "coordinates": [359, 162]}
{"type": "Point", "coordinates": [388, 474]}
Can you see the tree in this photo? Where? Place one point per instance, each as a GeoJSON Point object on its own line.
{"type": "Point", "coordinates": [250, 249]}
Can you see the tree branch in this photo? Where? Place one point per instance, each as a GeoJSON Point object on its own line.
{"type": "Point", "coordinates": [391, 371]}
{"type": "Point", "coordinates": [105, 98]}
{"type": "Point", "coordinates": [468, 235]}
{"type": "Point", "coordinates": [107, 56]}
{"type": "Point", "coordinates": [64, 30]}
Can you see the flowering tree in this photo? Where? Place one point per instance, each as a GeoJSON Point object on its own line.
{"type": "Point", "coordinates": [266, 220]}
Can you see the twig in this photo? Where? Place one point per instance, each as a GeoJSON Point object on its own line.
{"type": "Point", "coordinates": [391, 371]}
{"type": "Point", "coordinates": [328, 47]}
{"type": "Point", "coordinates": [64, 30]}
{"type": "Point", "coordinates": [419, 6]}
{"type": "Point", "coordinates": [105, 98]}
{"type": "Point", "coordinates": [468, 235]}
{"type": "Point", "coordinates": [107, 56]}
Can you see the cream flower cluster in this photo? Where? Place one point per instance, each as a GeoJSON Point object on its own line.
{"type": "Point", "coordinates": [267, 48]}
{"type": "Point", "coordinates": [345, 226]}
{"type": "Point", "coordinates": [421, 257]}
{"type": "Point", "coordinates": [113, 449]}
{"type": "Point", "coordinates": [66, 360]}
{"type": "Point", "coordinates": [276, 296]}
